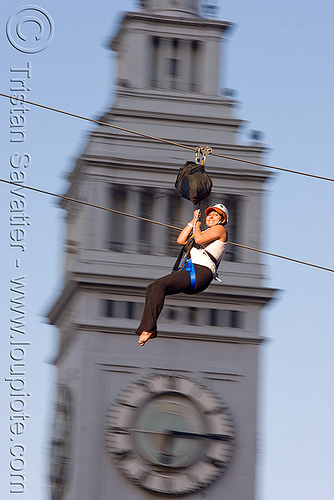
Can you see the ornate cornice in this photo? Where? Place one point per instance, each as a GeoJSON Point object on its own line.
{"type": "Point", "coordinates": [156, 20]}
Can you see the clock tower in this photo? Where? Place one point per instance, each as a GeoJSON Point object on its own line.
{"type": "Point", "coordinates": [177, 417]}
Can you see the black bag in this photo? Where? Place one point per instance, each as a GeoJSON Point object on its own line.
{"type": "Point", "coordinates": [193, 183]}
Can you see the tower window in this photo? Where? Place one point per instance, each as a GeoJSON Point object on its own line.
{"type": "Point", "coordinates": [227, 319]}
{"type": "Point", "coordinates": [236, 319]}
{"type": "Point", "coordinates": [145, 228]}
{"type": "Point", "coordinates": [154, 61]}
{"type": "Point", "coordinates": [174, 210]}
{"type": "Point", "coordinates": [173, 67]}
{"type": "Point", "coordinates": [213, 317]}
{"type": "Point", "coordinates": [130, 313]}
{"type": "Point", "coordinates": [194, 65]}
{"type": "Point", "coordinates": [172, 314]}
{"type": "Point", "coordinates": [192, 316]}
{"type": "Point", "coordinates": [118, 202]}
{"type": "Point", "coordinates": [121, 309]}
{"type": "Point", "coordinates": [108, 308]}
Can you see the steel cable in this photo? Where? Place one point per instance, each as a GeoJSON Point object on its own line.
{"type": "Point", "coordinates": [166, 141]}
{"type": "Point", "coordinates": [82, 202]}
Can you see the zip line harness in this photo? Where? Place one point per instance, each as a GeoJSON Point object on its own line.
{"type": "Point", "coordinates": [185, 263]}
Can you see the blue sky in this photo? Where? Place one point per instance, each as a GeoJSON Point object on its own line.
{"type": "Point", "coordinates": [279, 60]}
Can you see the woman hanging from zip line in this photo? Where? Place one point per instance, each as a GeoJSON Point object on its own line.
{"type": "Point", "coordinates": [196, 273]}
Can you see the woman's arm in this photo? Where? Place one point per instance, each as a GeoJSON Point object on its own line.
{"type": "Point", "coordinates": [184, 234]}
{"type": "Point", "coordinates": [213, 233]}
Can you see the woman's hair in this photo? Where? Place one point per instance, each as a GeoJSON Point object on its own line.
{"type": "Point", "coordinates": [223, 219]}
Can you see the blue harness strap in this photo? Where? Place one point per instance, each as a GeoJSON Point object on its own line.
{"type": "Point", "coordinates": [189, 266]}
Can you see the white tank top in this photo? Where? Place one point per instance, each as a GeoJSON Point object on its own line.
{"type": "Point", "coordinates": [215, 248]}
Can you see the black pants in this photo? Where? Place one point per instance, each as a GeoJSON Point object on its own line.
{"type": "Point", "coordinates": [171, 284]}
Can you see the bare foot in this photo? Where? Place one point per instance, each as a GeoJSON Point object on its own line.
{"type": "Point", "coordinates": [145, 336]}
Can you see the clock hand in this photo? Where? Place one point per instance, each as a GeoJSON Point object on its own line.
{"type": "Point", "coordinates": [187, 435]}
{"type": "Point", "coordinates": [192, 435]}
{"type": "Point", "coordinates": [146, 431]}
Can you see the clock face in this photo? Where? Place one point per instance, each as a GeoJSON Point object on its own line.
{"type": "Point", "coordinates": [61, 442]}
{"type": "Point", "coordinates": [170, 434]}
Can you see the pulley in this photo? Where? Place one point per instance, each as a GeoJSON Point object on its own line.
{"type": "Point", "coordinates": [201, 153]}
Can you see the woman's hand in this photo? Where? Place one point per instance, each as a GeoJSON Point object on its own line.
{"type": "Point", "coordinates": [184, 234]}
{"type": "Point", "coordinates": [196, 216]}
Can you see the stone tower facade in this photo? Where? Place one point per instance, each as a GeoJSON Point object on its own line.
{"type": "Point", "coordinates": [177, 417]}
